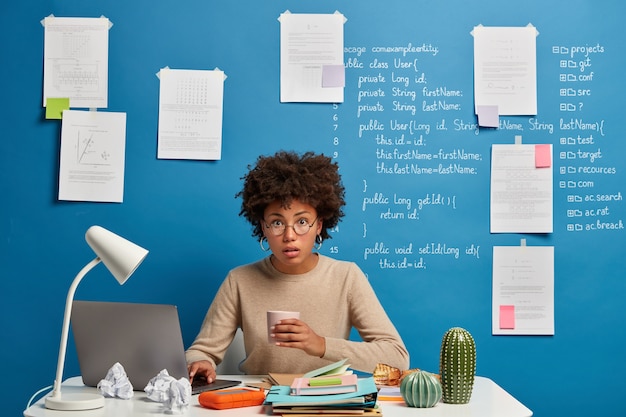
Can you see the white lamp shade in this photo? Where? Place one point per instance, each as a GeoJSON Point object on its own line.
{"type": "Point", "coordinates": [120, 256]}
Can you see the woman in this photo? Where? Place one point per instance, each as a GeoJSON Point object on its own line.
{"type": "Point", "coordinates": [291, 201]}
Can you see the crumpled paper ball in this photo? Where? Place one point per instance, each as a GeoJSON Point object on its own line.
{"type": "Point", "coordinates": [175, 395]}
{"type": "Point", "coordinates": [116, 383]}
{"type": "Point", "coordinates": [179, 395]}
{"type": "Point", "coordinates": [157, 386]}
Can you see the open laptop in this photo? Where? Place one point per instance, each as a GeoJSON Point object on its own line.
{"type": "Point", "coordinates": [143, 338]}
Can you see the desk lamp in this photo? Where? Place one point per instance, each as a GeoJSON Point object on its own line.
{"type": "Point", "coordinates": [121, 258]}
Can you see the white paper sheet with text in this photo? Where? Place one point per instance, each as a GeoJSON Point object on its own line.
{"type": "Point", "coordinates": [505, 69]}
{"type": "Point", "coordinates": [76, 60]}
{"type": "Point", "coordinates": [523, 290]}
{"type": "Point", "coordinates": [521, 192]}
{"type": "Point", "coordinates": [92, 156]}
{"type": "Point", "coordinates": [190, 114]}
{"type": "Point", "coordinates": [309, 43]}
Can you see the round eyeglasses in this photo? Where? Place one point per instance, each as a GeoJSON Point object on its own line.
{"type": "Point", "coordinates": [300, 227]}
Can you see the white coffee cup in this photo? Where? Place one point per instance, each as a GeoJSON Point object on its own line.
{"type": "Point", "coordinates": [274, 317]}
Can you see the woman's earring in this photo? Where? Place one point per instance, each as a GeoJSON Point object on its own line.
{"type": "Point", "coordinates": [318, 242]}
{"type": "Point", "coordinates": [263, 248]}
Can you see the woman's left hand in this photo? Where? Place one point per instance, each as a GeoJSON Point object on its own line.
{"type": "Point", "coordinates": [294, 333]}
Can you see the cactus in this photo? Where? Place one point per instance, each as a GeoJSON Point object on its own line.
{"type": "Point", "coordinates": [457, 366]}
{"type": "Point", "coordinates": [420, 389]}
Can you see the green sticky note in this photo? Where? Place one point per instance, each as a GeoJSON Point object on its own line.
{"type": "Point", "coordinates": [55, 107]}
{"type": "Point", "coordinates": [322, 382]}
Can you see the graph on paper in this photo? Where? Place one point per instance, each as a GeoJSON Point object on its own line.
{"type": "Point", "coordinates": [91, 149]}
{"type": "Point", "coordinates": [91, 167]}
{"type": "Point", "coordinates": [76, 60]}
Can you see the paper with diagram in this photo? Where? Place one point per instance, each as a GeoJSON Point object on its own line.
{"type": "Point", "coordinates": [92, 156]}
{"type": "Point", "coordinates": [76, 60]}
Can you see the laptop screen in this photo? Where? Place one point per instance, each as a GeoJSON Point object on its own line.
{"type": "Point", "coordinates": [143, 338]}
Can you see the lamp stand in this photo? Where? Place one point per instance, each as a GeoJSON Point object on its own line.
{"type": "Point", "coordinates": [75, 402]}
{"type": "Point", "coordinates": [56, 400]}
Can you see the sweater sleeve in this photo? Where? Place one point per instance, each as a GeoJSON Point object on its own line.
{"type": "Point", "coordinates": [381, 342]}
{"type": "Point", "coordinates": [218, 327]}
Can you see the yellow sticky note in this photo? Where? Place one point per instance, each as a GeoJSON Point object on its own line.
{"type": "Point", "coordinates": [55, 107]}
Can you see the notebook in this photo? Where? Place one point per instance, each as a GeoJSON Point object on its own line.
{"type": "Point", "coordinates": [143, 338]}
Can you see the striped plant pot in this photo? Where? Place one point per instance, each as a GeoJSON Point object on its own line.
{"type": "Point", "coordinates": [420, 389]}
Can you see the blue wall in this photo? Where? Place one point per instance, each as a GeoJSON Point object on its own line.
{"type": "Point", "coordinates": [185, 212]}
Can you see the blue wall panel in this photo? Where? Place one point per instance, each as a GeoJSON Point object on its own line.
{"type": "Point", "coordinates": [185, 212]}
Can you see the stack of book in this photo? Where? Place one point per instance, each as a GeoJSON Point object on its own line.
{"type": "Point", "coordinates": [324, 385]}
{"type": "Point", "coordinates": [328, 391]}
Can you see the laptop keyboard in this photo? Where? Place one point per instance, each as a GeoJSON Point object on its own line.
{"type": "Point", "coordinates": [200, 385]}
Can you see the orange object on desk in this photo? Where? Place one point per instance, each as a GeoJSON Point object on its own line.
{"type": "Point", "coordinates": [231, 398]}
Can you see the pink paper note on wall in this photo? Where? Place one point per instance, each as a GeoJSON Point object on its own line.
{"type": "Point", "coordinates": [507, 317]}
{"type": "Point", "coordinates": [543, 157]}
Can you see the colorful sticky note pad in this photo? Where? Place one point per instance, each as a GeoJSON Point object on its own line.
{"type": "Point", "coordinates": [543, 157]}
{"type": "Point", "coordinates": [55, 107]}
{"type": "Point", "coordinates": [507, 317]}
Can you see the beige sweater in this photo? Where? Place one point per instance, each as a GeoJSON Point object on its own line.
{"type": "Point", "coordinates": [332, 298]}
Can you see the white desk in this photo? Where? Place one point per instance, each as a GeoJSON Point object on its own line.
{"type": "Point", "coordinates": [488, 400]}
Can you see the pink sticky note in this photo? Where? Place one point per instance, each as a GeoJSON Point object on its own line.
{"type": "Point", "coordinates": [507, 317]}
{"type": "Point", "coordinates": [543, 158]}
{"type": "Point", "coordinates": [488, 116]}
{"type": "Point", "coordinates": [333, 76]}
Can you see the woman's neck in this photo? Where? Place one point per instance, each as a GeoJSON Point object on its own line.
{"type": "Point", "coordinates": [302, 268]}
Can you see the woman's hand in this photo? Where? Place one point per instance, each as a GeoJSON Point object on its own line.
{"type": "Point", "coordinates": [201, 369]}
{"type": "Point", "coordinates": [294, 333]}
